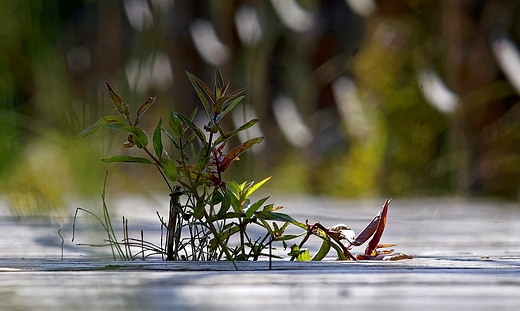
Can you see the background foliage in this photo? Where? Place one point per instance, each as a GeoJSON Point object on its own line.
{"type": "Point", "coordinates": [342, 89]}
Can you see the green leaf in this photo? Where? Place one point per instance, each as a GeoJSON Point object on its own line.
{"type": "Point", "coordinates": [125, 158]}
{"type": "Point", "coordinates": [198, 209]}
{"type": "Point", "coordinates": [229, 215]}
{"type": "Point", "coordinates": [201, 88]}
{"type": "Point", "coordinates": [192, 126]}
{"type": "Point", "coordinates": [171, 139]}
{"type": "Point", "coordinates": [99, 125]}
{"type": "Point", "coordinates": [326, 238]}
{"type": "Point", "coordinates": [288, 237]}
{"type": "Point", "coordinates": [322, 252]}
{"type": "Point", "coordinates": [157, 140]}
{"type": "Point", "coordinates": [274, 216]}
{"type": "Point", "coordinates": [139, 135]}
{"type": "Point", "coordinates": [189, 140]}
{"type": "Point", "coordinates": [230, 232]}
{"type": "Point", "coordinates": [304, 255]}
{"type": "Point", "coordinates": [230, 134]}
{"type": "Point", "coordinates": [175, 125]}
{"type": "Point", "coordinates": [170, 169]}
{"type": "Point", "coordinates": [300, 254]}
{"type": "Point", "coordinates": [227, 108]}
{"type": "Point", "coordinates": [203, 158]}
{"type": "Point", "coordinates": [142, 108]}
{"type": "Point", "coordinates": [256, 186]}
{"type": "Point", "coordinates": [225, 204]}
{"type": "Point", "coordinates": [218, 79]}
{"type": "Point", "coordinates": [120, 104]}
{"type": "Point", "coordinates": [253, 208]}
{"type": "Point", "coordinates": [194, 113]}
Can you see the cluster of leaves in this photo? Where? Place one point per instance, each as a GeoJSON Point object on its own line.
{"type": "Point", "coordinates": [207, 215]}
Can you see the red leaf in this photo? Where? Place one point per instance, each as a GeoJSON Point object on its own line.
{"type": "Point", "coordinates": [372, 245]}
{"type": "Point", "coordinates": [235, 152]}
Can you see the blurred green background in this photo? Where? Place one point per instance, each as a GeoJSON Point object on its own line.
{"type": "Point", "coordinates": [355, 97]}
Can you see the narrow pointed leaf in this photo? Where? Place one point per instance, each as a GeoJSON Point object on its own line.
{"type": "Point", "coordinates": [322, 252]}
{"type": "Point", "coordinates": [228, 107]}
{"type": "Point", "coordinates": [126, 158]}
{"type": "Point", "coordinates": [256, 186]}
{"type": "Point", "coordinates": [274, 216]}
{"type": "Point", "coordinates": [192, 126]}
{"type": "Point", "coordinates": [230, 134]}
{"type": "Point", "coordinates": [171, 139]}
{"type": "Point", "coordinates": [372, 245]}
{"type": "Point", "coordinates": [237, 92]}
{"type": "Point", "coordinates": [142, 109]}
{"type": "Point", "coordinates": [218, 79]}
{"type": "Point", "coordinates": [225, 204]}
{"type": "Point", "coordinates": [288, 237]}
{"type": "Point", "coordinates": [157, 139]}
{"type": "Point", "coordinates": [369, 230]}
{"type": "Point", "coordinates": [194, 113]}
{"type": "Point", "coordinates": [253, 208]}
{"type": "Point", "coordinates": [224, 88]}
{"type": "Point", "coordinates": [235, 152]}
{"type": "Point", "coordinates": [99, 125]}
{"type": "Point", "coordinates": [201, 88]}
{"type": "Point", "coordinates": [120, 104]}
{"type": "Point", "coordinates": [198, 209]}
{"type": "Point", "coordinates": [203, 158]}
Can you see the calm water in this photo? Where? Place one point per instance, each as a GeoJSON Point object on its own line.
{"type": "Point", "coordinates": [467, 258]}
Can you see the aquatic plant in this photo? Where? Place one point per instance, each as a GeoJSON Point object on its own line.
{"type": "Point", "coordinates": [206, 211]}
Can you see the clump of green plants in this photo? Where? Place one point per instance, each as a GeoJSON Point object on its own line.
{"type": "Point", "coordinates": [208, 216]}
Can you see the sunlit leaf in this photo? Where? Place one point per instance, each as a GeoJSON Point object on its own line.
{"type": "Point", "coordinates": [99, 125]}
{"type": "Point", "coordinates": [300, 254]}
{"type": "Point", "coordinates": [322, 252]}
{"type": "Point", "coordinates": [157, 139]}
{"type": "Point", "coordinates": [380, 229]}
{"type": "Point", "coordinates": [126, 158]}
{"type": "Point", "coordinates": [256, 186]}
{"type": "Point", "coordinates": [304, 255]}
